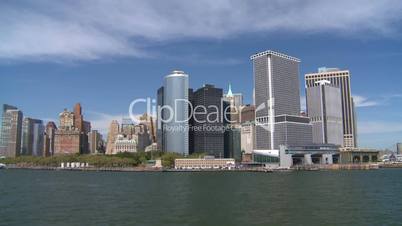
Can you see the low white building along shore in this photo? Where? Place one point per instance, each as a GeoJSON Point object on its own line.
{"type": "Point", "coordinates": [208, 162]}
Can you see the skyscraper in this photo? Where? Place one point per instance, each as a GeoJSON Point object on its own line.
{"type": "Point", "coordinates": [174, 118]}
{"type": "Point", "coordinates": [235, 101]}
{"type": "Point", "coordinates": [207, 140]}
{"type": "Point", "coordinates": [11, 126]}
{"type": "Point", "coordinates": [95, 142]}
{"type": "Point", "coordinates": [50, 131]}
{"type": "Point", "coordinates": [277, 100]}
{"type": "Point", "coordinates": [32, 137]}
{"type": "Point", "coordinates": [71, 137]}
{"type": "Point", "coordinates": [324, 107]}
{"type": "Point", "coordinates": [112, 136]}
{"type": "Point", "coordinates": [341, 79]}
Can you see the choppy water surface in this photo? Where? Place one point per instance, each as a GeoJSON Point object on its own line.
{"type": "Point", "coordinates": [29, 197]}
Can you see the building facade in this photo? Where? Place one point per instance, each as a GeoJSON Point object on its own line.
{"type": "Point", "coordinates": [175, 111]}
{"type": "Point", "coordinates": [95, 142]}
{"type": "Point", "coordinates": [48, 146]}
{"type": "Point", "coordinates": [11, 127]}
{"type": "Point", "coordinates": [277, 101]}
{"type": "Point", "coordinates": [208, 121]}
{"type": "Point", "coordinates": [72, 136]}
{"type": "Point", "coordinates": [324, 107]}
{"type": "Point", "coordinates": [341, 79]}
{"type": "Point", "coordinates": [112, 136]}
{"type": "Point", "coordinates": [123, 144]}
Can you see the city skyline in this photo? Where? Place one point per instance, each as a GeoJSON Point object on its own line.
{"type": "Point", "coordinates": [106, 83]}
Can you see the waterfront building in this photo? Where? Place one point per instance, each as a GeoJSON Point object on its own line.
{"type": "Point", "coordinates": [277, 101]}
{"type": "Point", "coordinates": [358, 155]}
{"type": "Point", "coordinates": [232, 140]}
{"type": "Point", "coordinates": [95, 142]}
{"type": "Point", "coordinates": [399, 148]}
{"type": "Point", "coordinates": [31, 137]}
{"type": "Point", "coordinates": [11, 127]}
{"type": "Point", "coordinates": [208, 121]}
{"type": "Point", "coordinates": [123, 144]}
{"type": "Point", "coordinates": [247, 137]}
{"type": "Point", "coordinates": [208, 162]}
{"type": "Point", "coordinates": [324, 107]}
{"type": "Point", "coordinates": [321, 154]}
{"type": "Point", "coordinates": [48, 146]}
{"type": "Point", "coordinates": [71, 137]}
{"type": "Point", "coordinates": [341, 79]}
{"type": "Point", "coordinates": [175, 113]}
{"type": "Point", "coordinates": [112, 136]}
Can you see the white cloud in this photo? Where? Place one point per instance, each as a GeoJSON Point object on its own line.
{"type": "Point", "coordinates": [87, 30]}
{"type": "Point", "coordinates": [361, 101]}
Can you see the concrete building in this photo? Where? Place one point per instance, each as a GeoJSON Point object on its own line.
{"type": "Point", "coordinates": [247, 137]}
{"type": "Point", "coordinates": [308, 155]}
{"type": "Point", "coordinates": [123, 144]}
{"type": "Point", "coordinates": [208, 121]}
{"type": "Point", "coordinates": [48, 146]}
{"type": "Point", "coordinates": [341, 79]}
{"type": "Point", "coordinates": [277, 101]}
{"type": "Point", "coordinates": [207, 162]}
{"type": "Point", "coordinates": [324, 107]}
{"type": "Point", "coordinates": [358, 155]}
{"type": "Point", "coordinates": [38, 135]}
{"type": "Point", "coordinates": [95, 142]}
{"type": "Point", "coordinates": [247, 113]}
{"type": "Point", "coordinates": [174, 113]}
{"type": "Point", "coordinates": [11, 127]}
{"type": "Point", "coordinates": [112, 136]}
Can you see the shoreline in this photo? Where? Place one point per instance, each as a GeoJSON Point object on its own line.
{"type": "Point", "coordinates": [255, 170]}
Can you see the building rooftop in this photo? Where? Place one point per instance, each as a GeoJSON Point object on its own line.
{"type": "Point", "coordinates": [270, 52]}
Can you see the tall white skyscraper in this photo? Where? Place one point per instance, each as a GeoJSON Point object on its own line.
{"type": "Point", "coordinates": [277, 100]}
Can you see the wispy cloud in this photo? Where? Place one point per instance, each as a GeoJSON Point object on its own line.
{"type": "Point", "coordinates": [361, 101]}
{"type": "Point", "coordinates": [385, 99]}
{"type": "Point", "coordinates": [88, 30]}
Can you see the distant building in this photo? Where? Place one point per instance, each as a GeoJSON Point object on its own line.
{"type": "Point", "coordinates": [141, 132]}
{"type": "Point", "coordinates": [48, 146]}
{"type": "Point", "coordinates": [324, 107]}
{"type": "Point", "coordinates": [112, 136]}
{"type": "Point", "coordinates": [232, 141]}
{"type": "Point", "coordinates": [123, 144]}
{"type": "Point", "coordinates": [341, 79]}
{"type": "Point", "coordinates": [95, 142]}
{"type": "Point", "coordinates": [159, 122]}
{"type": "Point", "coordinates": [31, 137]}
{"type": "Point", "coordinates": [235, 101]}
{"type": "Point", "coordinates": [277, 101]}
{"type": "Point", "coordinates": [399, 148]}
{"type": "Point", "coordinates": [247, 137]}
{"type": "Point", "coordinates": [174, 131]}
{"type": "Point", "coordinates": [208, 137]}
{"type": "Point", "coordinates": [247, 113]}
{"type": "Point", "coordinates": [11, 126]}
{"type": "Point", "coordinates": [71, 137]}
{"type": "Point", "coordinates": [205, 163]}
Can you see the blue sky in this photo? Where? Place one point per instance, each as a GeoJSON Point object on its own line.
{"type": "Point", "coordinates": [105, 54]}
